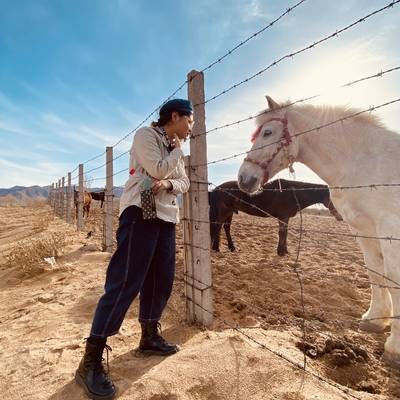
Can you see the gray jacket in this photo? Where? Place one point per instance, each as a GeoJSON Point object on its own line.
{"type": "Point", "coordinates": [149, 156]}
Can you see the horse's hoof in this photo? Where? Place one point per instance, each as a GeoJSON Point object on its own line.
{"type": "Point", "coordinates": [371, 326]}
{"type": "Point", "coordinates": [232, 248]}
{"type": "Point", "coordinates": [282, 253]}
{"type": "Point", "coordinates": [391, 359]}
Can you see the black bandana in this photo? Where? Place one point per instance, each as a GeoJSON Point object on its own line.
{"type": "Point", "coordinates": [170, 146]}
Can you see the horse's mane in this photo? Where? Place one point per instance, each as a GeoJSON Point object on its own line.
{"type": "Point", "coordinates": [324, 112]}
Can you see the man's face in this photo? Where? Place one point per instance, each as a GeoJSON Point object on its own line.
{"type": "Point", "coordinates": [183, 125]}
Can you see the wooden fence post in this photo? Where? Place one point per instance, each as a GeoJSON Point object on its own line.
{"type": "Point", "coordinates": [51, 194]}
{"type": "Point", "coordinates": [197, 266]}
{"type": "Point", "coordinates": [55, 199]}
{"type": "Point", "coordinates": [79, 221]}
{"type": "Point", "coordinates": [108, 215]}
{"type": "Point", "coordinates": [69, 190]}
{"type": "Point", "coordinates": [59, 198]}
{"type": "Point", "coordinates": [63, 197]}
{"type": "Point", "coordinates": [188, 257]}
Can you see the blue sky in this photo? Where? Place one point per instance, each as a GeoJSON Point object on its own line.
{"type": "Point", "coordinates": [76, 76]}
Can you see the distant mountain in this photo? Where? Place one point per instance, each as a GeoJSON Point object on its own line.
{"type": "Point", "coordinates": [22, 193]}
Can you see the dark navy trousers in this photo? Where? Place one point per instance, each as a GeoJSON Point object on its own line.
{"type": "Point", "coordinates": [144, 263]}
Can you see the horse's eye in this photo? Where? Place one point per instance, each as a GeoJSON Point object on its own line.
{"type": "Point", "coordinates": [267, 132]}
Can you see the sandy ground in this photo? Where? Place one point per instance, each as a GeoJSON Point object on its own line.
{"type": "Point", "coordinates": [45, 314]}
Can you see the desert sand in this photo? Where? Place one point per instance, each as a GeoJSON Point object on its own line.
{"type": "Point", "coordinates": [46, 309]}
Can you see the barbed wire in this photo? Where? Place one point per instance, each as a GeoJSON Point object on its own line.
{"type": "Point", "coordinates": [96, 168]}
{"type": "Point", "coordinates": [370, 109]}
{"type": "Point", "coordinates": [206, 286]}
{"type": "Point", "coordinates": [373, 186]}
{"type": "Point", "coordinates": [229, 52]}
{"type": "Point", "coordinates": [291, 55]}
{"type": "Point", "coordinates": [262, 314]}
{"type": "Point", "coordinates": [276, 353]}
{"type": "Point", "coordinates": [299, 278]}
{"type": "Point", "coordinates": [265, 311]}
{"type": "Point", "coordinates": [294, 229]}
{"type": "Point", "coordinates": [390, 5]}
{"type": "Point", "coordinates": [307, 232]}
{"type": "Point", "coordinates": [121, 155]}
{"type": "Point", "coordinates": [286, 106]}
{"type": "Point", "coordinates": [211, 65]}
{"type": "Point", "coordinates": [379, 74]}
{"type": "Point", "coordinates": [317, 128]}
{"type": "Point", "coordinates": [151, 114]}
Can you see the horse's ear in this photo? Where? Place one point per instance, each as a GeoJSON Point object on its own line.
{"type": "Point", "coordinates": [272, 105]}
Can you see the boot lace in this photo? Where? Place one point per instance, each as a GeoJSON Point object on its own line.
{"type": "Point", "coordinates": [159, 332]}
{"type": "Point", "coordinates": [100, 368]}
{"type": "Point", "coordinates": [98, 363]}
{"type": "Point", "coordinates": [108, 349]}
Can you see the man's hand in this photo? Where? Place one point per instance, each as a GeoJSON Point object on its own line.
{"type": "Point", "coordinates": [176, 142]}
{"type": "Point", "coordinates": [164, 184]}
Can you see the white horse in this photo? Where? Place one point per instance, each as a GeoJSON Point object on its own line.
{"type": "Point", "coordinates": [355, 151]}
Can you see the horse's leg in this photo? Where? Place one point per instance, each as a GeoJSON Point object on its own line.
{"type": "Point", "coordinates": [215, 230]}
{"type": "Point", "coordinates": [381, 305]}
{"type": "Point", "coordinates": [227, 227]}
{"type": "Point", "coordinates": [391, 251]}
{"type": "Point", "coordinates": [282, 244]}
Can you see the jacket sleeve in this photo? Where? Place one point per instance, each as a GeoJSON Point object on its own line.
{"type": "Point", "coordinates": [147, 153]}
{"type": "Point", "coordinates": [180, 185]}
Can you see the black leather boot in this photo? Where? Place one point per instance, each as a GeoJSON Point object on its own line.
{"type": "Point", "coordinates": [91, 374]}
{"type": "Point", "coordinates": [152, 343]}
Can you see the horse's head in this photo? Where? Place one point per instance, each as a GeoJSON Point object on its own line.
{"type": "Point", "coordinates": [273, 148]}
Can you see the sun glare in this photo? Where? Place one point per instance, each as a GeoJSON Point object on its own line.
{"type": "Point", "coordinates": [327, 74]}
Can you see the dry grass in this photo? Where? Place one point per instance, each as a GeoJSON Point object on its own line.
{"type": "Point", "coordinates": [28, 255]}
{"type": "Point", "coordinates": [35, 203]}
{"type": "Point", "coordinates": [41, 225]}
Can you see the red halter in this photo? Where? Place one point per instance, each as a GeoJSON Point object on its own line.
{"type": "Point", "coordinates": [284, 143]}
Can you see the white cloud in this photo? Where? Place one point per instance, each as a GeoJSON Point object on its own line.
{"type": "Point", "coordinates": [12, 173]}
{"type": "Point", "coordinates": [254, 11]}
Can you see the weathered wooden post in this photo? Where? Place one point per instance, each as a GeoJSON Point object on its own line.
{"type": "Point", "coordinates": [69, 193]}
{"type": "Point", "coordinates": [51, 194]}
{"type": "Point", "coordinates": [79, 221]}
{"type": "Point", "coordinates": [197, 231]}
{"type": "Point", "coordinates": [108, 215]}
{"type": "Point", "coordinates": [55, 199]}
{"type": "Point", "coordinates": [62, 211]}
{"type": "Point", "coordinates": [59, 198]}
{"type": "Point", "coordinates": [188, 257]}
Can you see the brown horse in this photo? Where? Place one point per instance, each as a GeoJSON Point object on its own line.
{"type": "Point", "coordinates": [98, 196]}
{"type": "Point", "coordinates": [276, 200]}
{"type": "Point", "coordinates": [87, 199]}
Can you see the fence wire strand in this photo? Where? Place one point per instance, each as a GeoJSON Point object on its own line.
{"type": "Point", "coordinates": [286, 106]}
{"type": "Point", "coordinates": [302, 50]}
{"type": "Point", "coordinates": [314, 129]}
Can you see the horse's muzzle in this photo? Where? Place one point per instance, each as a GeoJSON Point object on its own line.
{"type": "Point", "coordinates": [248, 183]}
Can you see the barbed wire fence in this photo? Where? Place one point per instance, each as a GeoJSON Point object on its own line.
{"type": "Point", "coordinates": [62, 195]}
